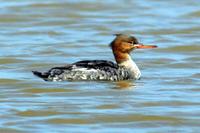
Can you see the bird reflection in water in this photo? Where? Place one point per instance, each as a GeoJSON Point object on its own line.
{"type": "Point", "coordinates": [126, 84]}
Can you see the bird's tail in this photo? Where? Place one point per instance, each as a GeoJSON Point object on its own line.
{"type": "Point", "coordinates": [41, 75]}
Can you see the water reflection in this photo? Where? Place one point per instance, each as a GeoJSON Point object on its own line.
{"type": "Point", "coordinates": [127, 84]}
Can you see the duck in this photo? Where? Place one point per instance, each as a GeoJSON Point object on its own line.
{"type": "Point", "coordinates": [101, 70]}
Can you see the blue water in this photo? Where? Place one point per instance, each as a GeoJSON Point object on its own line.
{"type": "Point", "coordinates": [38, 35]}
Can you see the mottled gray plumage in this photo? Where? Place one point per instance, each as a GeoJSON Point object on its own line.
{"type": "Point", "coordinates": [87, 70]}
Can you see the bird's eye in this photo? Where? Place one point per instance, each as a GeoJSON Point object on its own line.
{"type": "Point", "coordinates": [131, 42]}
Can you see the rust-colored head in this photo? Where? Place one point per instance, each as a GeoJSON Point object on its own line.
{"type": "Point", "coordinates": [122, 45]}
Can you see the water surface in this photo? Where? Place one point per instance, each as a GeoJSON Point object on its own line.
{"type": "Point", "coordinates": [38, 35]}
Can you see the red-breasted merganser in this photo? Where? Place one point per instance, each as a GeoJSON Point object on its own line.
{"type": "Point", "coordinates": [124, 69]}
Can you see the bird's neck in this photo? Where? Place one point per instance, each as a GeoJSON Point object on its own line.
{"type": "Point", "coordinates": [129, 64]}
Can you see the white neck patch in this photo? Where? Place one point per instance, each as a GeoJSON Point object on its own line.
{"type": "Point", "coordinates": [130, 64]}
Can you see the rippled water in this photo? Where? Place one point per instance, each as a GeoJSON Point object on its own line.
{"type": "Point", "coordinates": [38, 35]}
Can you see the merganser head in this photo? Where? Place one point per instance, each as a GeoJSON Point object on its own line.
{"type": "Point", "coordinates": [122, 45]}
